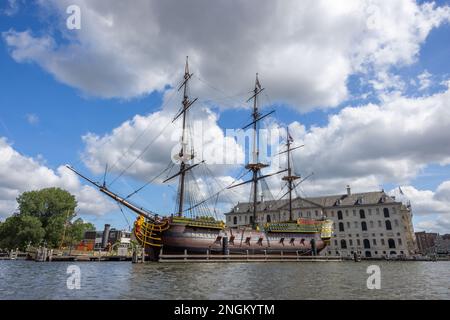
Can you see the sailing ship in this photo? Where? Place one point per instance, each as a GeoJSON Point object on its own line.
{"type": "Point", "coordinates": [204, 233]}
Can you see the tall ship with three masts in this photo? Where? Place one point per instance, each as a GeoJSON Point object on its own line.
{"type": "Point", "coordinates": [197, 233]}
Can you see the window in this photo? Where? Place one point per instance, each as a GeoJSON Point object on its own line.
{"type": "Point", "coordinates": [245, 218]}
{"type": "Point", "coordinates": [362, 214]}
{"type": "Point", "coordinates": [391, 243]}
{"type": "Point", "coordinates": [377, 210]}
{"type": "Point", "coordinates": [335, 243]}
{"type": "Point", "coordinates": [346, 213]}
{"type": "Point", "coordinates": [379, 223]}
{"type": "Point", "coordinates": [251, 219]}
{"type": "Point", "coordinates": [364, 226]}
{"type": "Point", "coordinates": [269, 218]}
{"type": "Point", "coordinates": [341, 227]}
{"type": "Point", "coordinates": [240, 218]}
{"type": "Point", "coordinates": [350, 242]}
{"type": "Point", "coordinates": [229, 219]}
{"type": "Point", "coordinates": [332, 214]}
{"type": "Point", "coordinates": [339, 214]}
{"type": "Point", "coordinates": [354, 213]}
{"type": "Point", "coordinates": [399, 242]}
{"type": "Point", "coordinates": [343, 244]}
{"type": "Point", "coordinates": [366, 244]}
{"type": "Point", "coordinates": [371, 224]}
{"type": "Point", "coordinates": [370, 212]}
{"type": "Point", "coordinates": [356, 224]}
{"type": "Point", "coordinates": [358, 242]}
{"type": "Point", "coordinates": [374, 242]}
{"type": "Point", "coordinates": [396, 222]}
{"type": "Point", "coordinates": [388, 225]}
{"type": "Point", "coordinates": [386, 212]}
{"type": "Point", "coordinates": [348, 225]}
{"type": "Point", "coordinates": [317, 213]}
{"type": "Point", "coordinates": [234, 220]}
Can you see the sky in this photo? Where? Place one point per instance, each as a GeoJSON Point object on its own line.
{"type": "Point", "coordinates": [364, 85]}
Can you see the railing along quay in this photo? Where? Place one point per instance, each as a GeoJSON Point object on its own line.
{"type": "Point", "coordinates": [267, 257]}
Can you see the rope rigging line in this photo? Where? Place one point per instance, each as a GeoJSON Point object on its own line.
{"type": "Point", "coordinates": [142, 153]}
{"type": "Point", "coordinates": [140, 135]}
{"type": "Point", "coordinates": [169, 167]}
{"type": "Point", "coordinates": [123, 213]}
{"type": "Point", "coordinates": [217, 193]}
{"type": "Point", "coordinates": [226, 95]}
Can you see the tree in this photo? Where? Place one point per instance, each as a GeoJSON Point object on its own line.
{"type": "Point", "coordinates": [19, 231]}
{"type": "Point", "coordinates": [76, 230]}
{"type": "Point", "coordinates": [54, 230]}
{"type": "Point", "coordinates": [54, 208]}
{"type": "Point", "coordinates": [47, 203]}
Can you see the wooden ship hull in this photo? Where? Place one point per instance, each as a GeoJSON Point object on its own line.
{"type": "Point", "coordinates": [179, 235]}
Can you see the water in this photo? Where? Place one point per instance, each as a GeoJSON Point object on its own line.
{"type": "Point", "coordinates": [322, 280]}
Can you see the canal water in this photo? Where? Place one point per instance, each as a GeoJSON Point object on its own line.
{"type": "Point", "coordinates": [321, 280]}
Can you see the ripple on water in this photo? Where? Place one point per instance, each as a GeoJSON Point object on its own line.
{"type": "Point", "coordinates": [256, 281]}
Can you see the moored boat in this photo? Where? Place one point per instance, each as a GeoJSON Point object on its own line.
{"type": "Point", "coordinates": [201, 233]}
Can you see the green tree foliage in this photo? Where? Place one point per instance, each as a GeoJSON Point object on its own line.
{"type": "Point", "coordinates": [46, 203]}
{"type": "Point", "coordinates": [44, 216]}
{"type": "Point", "coordinates": [76, 230]}
{"type": "Point", "coordinates": [19, 231]}
{"type": "Point", "coordinates": [54, 231]}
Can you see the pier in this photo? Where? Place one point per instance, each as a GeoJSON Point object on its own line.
{"type": "Point", "coordinates": [247, 257]}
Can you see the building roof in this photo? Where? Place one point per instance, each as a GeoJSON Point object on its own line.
{"type": "Point", "coordinates": [366, 198]}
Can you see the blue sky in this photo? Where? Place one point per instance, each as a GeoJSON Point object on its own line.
{"type": "Point", "coordinates": [64, 111]}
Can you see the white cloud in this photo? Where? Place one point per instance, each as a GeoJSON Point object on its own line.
{"type": "Point", "coordinates": [424, 80]}
{"type": "Point", "coordinates": [304, 51]}
{"type": "Point", "coordinates": [19, 173]}
{"type": "Point", "coordinates": [11, 8]}
{"type": "Point", "coordinates": [144, 146]}
{"type": "Point", "coordinates": [434, 223]}
{"type": "Point", "coordinates": [387, 143]}
{"type": "Point", "coordinates": [431, 209]}
{"type": "Point", "coordinates": [32, 118]}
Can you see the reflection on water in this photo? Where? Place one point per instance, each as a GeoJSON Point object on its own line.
{"type": "Point", "coordinates": [322, 280]}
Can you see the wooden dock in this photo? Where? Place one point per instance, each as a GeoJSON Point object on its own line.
{"type": "Point", "coordinates": [267, 257]}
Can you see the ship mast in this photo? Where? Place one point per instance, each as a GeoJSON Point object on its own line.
{"type": "Point", "coordinates": [255, 166]}
{"type": "Point", "coordinates": [290, 178]}
{"type": "Point", "coordinates": [183, 155]}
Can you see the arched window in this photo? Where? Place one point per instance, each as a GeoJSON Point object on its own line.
{"type": "Point", "coordinates": [366, 244]}
{"type": "Point", "coordinates": [234, 220]}
{"type": "Point", "coordinates": [268, 218]}
{"type": "Point", "coordinates": [386, 212]}
{"type": "Point", "coordinates": [343, 244]}
{"type": "Point", "coordinates": [391, 243]}
{"type": "Point", "coordinates": [339, 215]}
{"type": "Point", "coordinates": [368, 254]}
{"type": "Point", "coordinates": [362, 214]}
{"type": "Point", "coordinates": [341, 227]}
{"type": "Point", "coordinates": [364, 226]}
{"type": "Point", "coordinates": [388, 225]}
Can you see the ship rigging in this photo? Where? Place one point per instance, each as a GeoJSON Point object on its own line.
{"type": "Point", "coordinates": [195, 227]}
